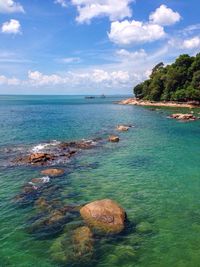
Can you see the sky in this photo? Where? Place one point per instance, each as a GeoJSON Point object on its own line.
{"type": "Point", "coordinates": [91, 46]}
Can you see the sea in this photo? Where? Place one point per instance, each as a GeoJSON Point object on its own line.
{"type": "Point", "coordinates": [153, 172]}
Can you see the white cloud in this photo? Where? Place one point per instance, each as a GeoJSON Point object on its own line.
{"type": "Point", "coordinates": [164, 16]}
{"type": "Point", "coordinates": [94, 76]}
{"type": "Point", "coordinates": [10, 6]}
{"type": "Point", "coordinates": [191, 43]}
{"type": "Point", "coordinates": [114, 9]}
{"type": "Point", "coordinates": [37, 78]}
{"type": "Point", "coordinates": [8, 81]}
{"type": "Point", "coordinates": [12, 26]}
{"type": "Point", "coordinates": [133, 32]}
{"type": "Point", "coordinates": [61, 2]}
{"type": "Point", "coordinates": [70, 60]}
{"type": "Point", "coordinates": [126, 55]}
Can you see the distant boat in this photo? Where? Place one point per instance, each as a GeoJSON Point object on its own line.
{"type": "Point", "coordinates": [89, 97]}
{"type": "Point", "coordinates": [103, 96]}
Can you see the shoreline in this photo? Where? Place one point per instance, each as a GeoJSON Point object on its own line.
{"type": "Point", "coordinates": [134, 101]}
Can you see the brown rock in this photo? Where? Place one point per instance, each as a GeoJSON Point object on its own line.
{"type": "Point", "coordinates": [56, 216]}
{"type": "Point", "coordinates": [40, 157]}
{"type": "Point", "coordinates": [42, 204]}
{"type": "Point", "coordinates": [183, 117]}
{"type": "Point", "coordinates": [82, 241]}
{"type": "Point", "coordinates": [105, 216]}
{"type": "Point", "coordinates": [53, 172]}
{"type": "Point", "coordinates": [113, 138]}
{"type": "Point", "coordinates": [123, 128]}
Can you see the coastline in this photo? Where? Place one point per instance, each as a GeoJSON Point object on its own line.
{"type": "Point", "coordinates": [134, 101]}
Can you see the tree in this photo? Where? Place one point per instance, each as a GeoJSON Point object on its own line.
{"type": "Point", "coordinates": [179, 81]}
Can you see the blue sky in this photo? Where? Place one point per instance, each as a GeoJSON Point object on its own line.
{"type": "Point", "coordinates": [91, 46]}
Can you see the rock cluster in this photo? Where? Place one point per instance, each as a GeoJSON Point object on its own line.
{"type": "Point", "coordinates": [183, 117]}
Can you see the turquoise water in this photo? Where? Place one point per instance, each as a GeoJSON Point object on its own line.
{"type": "Point", "coordinates": [153, 172]}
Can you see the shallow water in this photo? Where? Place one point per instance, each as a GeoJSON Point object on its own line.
{"type": "Point", "coordinates": [153, 172]}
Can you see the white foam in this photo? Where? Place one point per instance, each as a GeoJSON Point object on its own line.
{"type": "Point", "coordinates": [43, 180]}
{"type": "Point", "coordinates": [40, 147]}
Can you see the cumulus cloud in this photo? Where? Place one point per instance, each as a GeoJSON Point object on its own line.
{"type": "Point", "coordinates": [95, 76]}
{"type": "Point", "coordinates": [164, 16]}
{"type": "Point", "coordinates": [9, 81]}
{"type": "Point", "coordinates": [12, 26]}
{"type": "Point", "coordinates": [191, 43]}
{"type": "Point", "coordinates": [114, 9]}
{"type": "Point", "coordinates": [61, 2]}
{"type": "Point", "coordinates": [133, 32]}
{"type": "Point", "coordinates": [10, 6]}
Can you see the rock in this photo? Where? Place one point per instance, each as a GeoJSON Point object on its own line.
{"type": "Point", "coordinates": [144, 228]}
{"type": "Point", "coordinates": [183, 117]}
{"type": "Point", "coordinates": [29, 194]}
{"type": "Point", "coordinates": [123, 128]}
{"type": "Point", "coordinates": [35, 159]}
{"type": "Point", "coordinates": [82, 241]}
{"type": "Point", "coordinates": [48, 223]}
{"type": "Point", "coordinates": [38, 181]}
{"type": "Point", "coordinates": [53, 172]}
{"type": "Point", "coordinates": [75, 247]}
{"type": "Point", "coordinates": [113, 138]}
{"type": "Point", "coordinates": [42, 204]}
{"type": "Point", "coordinates": [120, 255]}
{"type": "Point", "coordinates": [104, 216]}
{"type": "Point", "coordinates": [40, 157]}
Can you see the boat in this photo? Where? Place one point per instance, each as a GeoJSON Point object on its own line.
{"type": "Point", "coordinates": [89, 97]}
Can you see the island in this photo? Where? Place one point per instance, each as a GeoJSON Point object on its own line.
{"type": "Point", "coordinates": [176, 85]}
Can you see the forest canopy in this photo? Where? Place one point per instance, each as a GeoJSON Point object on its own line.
{"type": "Point", "coordinates": [179, 81]}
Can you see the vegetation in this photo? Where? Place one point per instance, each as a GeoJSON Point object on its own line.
{"type": "Point", "coordinates": [179, 81]}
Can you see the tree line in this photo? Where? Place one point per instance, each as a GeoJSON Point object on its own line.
{"type": "Point", "coordinates": [179, 81]}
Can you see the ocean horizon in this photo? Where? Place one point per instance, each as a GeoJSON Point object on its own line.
{"type": "Point", "coordinates": [152, 172]}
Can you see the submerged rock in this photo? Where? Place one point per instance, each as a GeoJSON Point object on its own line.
{"type": "Point", "coordinates": [183, 117]}
{"type": "Point", "coordinates": [104, 216]}
{"type": "Point", "coordinates": [144, 228]}
{"type": "Point", "coordinates": [113, 138]}
{"type": "Point", "coordinates": [53, 172]}
{"type": "Point", "coordinates": [40, 181]}
{"type": "Point", "coordinates": [75, 247]}
{"type": "Point", "coordinates": [29, 194]}
{"type": "Point", "coordinates": [49, 223]}
{"type": "Point", "coordinates": [42, 204]}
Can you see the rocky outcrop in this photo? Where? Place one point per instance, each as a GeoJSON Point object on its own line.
{"type": "Point", "coordinates": [183, 117]}
{"type": "Point", "coordinates": [104, 216]}
{"type": "Point", "coordinates": [140, 102]}
{"type": "Point", "coordinates": [113, 138]}
{"type": "Point", "coordinates": [53, 172]}
{"type": "Point", "coordinates": [35, 159]}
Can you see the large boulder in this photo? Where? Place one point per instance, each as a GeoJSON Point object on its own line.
{"type": "Point", "coordinates": [104, 216]}
{"type": "Point", "coordinates": [53, 172]}
{"type": "Point", "coordinates": [113, 138]}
